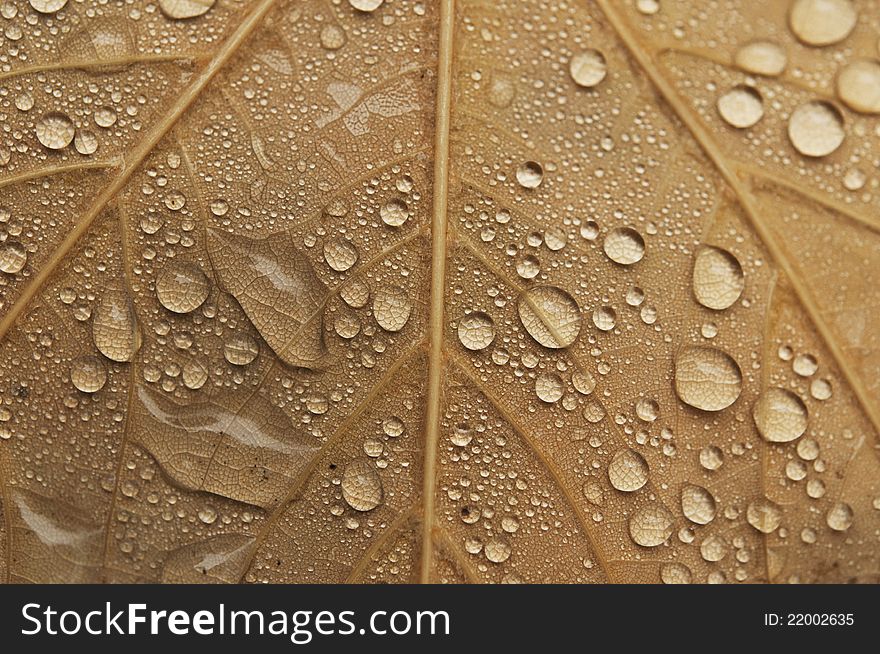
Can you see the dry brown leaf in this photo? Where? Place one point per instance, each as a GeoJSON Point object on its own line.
{"type": "Point", "coordinates": [453, 290]}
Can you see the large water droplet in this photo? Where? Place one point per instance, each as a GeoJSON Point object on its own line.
{"type": "Point", "coordinates": [624, 245]}
{"type": "Point", "coordinates": [182, 287]}
{"type": "Point", "coordinates": [780, 415]}
{"type": "Point", "coordinates": [47, 6]}
{"type": "Point", "coordinates": [588, 68]}
{"type": "Point", "coordinates": [391, 308]}
{"type": "Point", "coordinates": [115, 328]}
{"type": "Point", "coordinates": [651, 525]}
{"type": "Point", "coordinates": [361, 485]}
{"type": "Point", "coordinates": [550, 315]}
{"type": "Point", "coordinates": [707, 378]}
{"type": "Point", "coordinates": [718, 278]}
{"type": "Point", "coordinates": [55, 131]}
{"type": "Point", "coordinates": [858, 86]}
{"type": "Point", "coordinates": [476, 331]}
{"type": "Point", "coordinates": [697, 504]}
{"type": "Point", "coordinates": [88, 374]}
{"type": "Point", "coordinates": [530, 174]}
{"type": "Point", "coordinates": [179, 9]}
{"type": "Point", "coordinates": [839, 516]}
{"type": "Point", "coordinates": [816, 128]}
{"type": "Point", "coordinates": [741, 107]}
{"type": "Point", "coordinates": [762, 58]}
{"type": "Point", "coordinates": [241, 349]}
{"type": "Point", "coordinates": [366, 6]}
{"type": "Point", "coordinates": [822, 22]}
{"type": "Point", "coordinates": [628, 471]}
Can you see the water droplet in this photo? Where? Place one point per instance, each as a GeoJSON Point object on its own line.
{"type": "Point", "coordinates": [175, 200]}
{"type": "Point", "coordinates": [180, 9]}
{"type": "Point", "coordinates": [391, 308]}
{"type": "Point", "coordinates": [651, 525]}
{"type": "Point", "coordinates": [13, 257]}
{"type": "Point", "coordinates": [105, 117]}
{"type": "Point", "coordinates": [115, 328]}
{"type": "Point", "coordinates": [816, 128]}
{"type": "Point", "coordinates": [624, 245]}
{"type": "Point", "coordinates": [462, 435]}
{"type": "Point", "coordinates": [497, 550]}
{"type": "Point", "coordinates": [549, 387]}
{"type": "Point", "coordinates": [762, 58]}
{"type": "Point", "coordinates": [675, 573]}
{"type": "Point", "coordinates": [366, 6]}
{"type": "Point", "coordinates": [194, 375]}
{"type": "Point", "coordinates": [88, 374]}
{"type": "Point", "coordinates": [780, 415]}
{"type": "Point", "coordinates": [648, 7]}
{"type": "Point", "coordinates": [530, 174]}
{"type": "Point", "coordinates": [628, 471]}
{"type": "Point", "coordinates": [182, 287]}
{"type": "Point", "coordinates": [697, 504]}
{"type": "Point", "coordinates": [583, 382]}
{"type": "Point", "coordinates": [604, 318]}
{"type": "Point", "coordinates": [361, 485]}
{"type": "Point", "coordinates": [393, 427]}
{"type": "Point", "coordinates": [820, 389]}
{"type": "Point", "coordinates": [588, 68]}
{"type": "Point", "coordinates": [47, 6]}
{"type": "Point", "coordinates": [340, 254]}
{"type": "Point", "coordinates": [741, 107]}
{"type": "Point", "coordinates": [858, 86]}
{"type": "Point", "coordinates": [528, 267]}
{"type": "Point", "coordinates": [713, 548]}
{"type": "Point", "coordinates": [805, 365]}
{"type": "Point", "coordinates": [241, 349]}
{"type": "Point", "coordinates": [347, 326]}
{"type": "Point", "coordinates": [718, 278]}
{"type": "Point", "coordinates": [593, 492]}
{"type": "Point", "coordinates": [332, 37]}
{"type": "Point", "coordinates": [707, 378]}
{"type": "Point", "coordinates": [476, 331]}
{"type": "Point", "coordinates": [647, 409]}
{"type": "Point", "coordinates": [764, 515]}
{"type": "Point", "coordinates": [55, 130]}
{"type": "Point", "coordinates": [822, 22]}
{"type": "Point", "coordinates": [394, 213]}
{"type": "Point", "coordinates": [711, 457]}
{"type": "Point", "coordinates": [85, 142]}
{"type": "Point", "coordinates": [550, 315]}
{"type": "Point", "coordinates": [839, 516]}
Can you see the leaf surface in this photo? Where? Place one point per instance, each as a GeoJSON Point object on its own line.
{"type": "Point", "coordinates": [459, 291]}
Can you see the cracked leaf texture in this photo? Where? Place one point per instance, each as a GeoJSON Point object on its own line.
{"type": "Point", "coordinates": [440, 291]}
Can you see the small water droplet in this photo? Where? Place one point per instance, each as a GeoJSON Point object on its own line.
{"type": "Point", "coordinates": [711, 457]}
{"type": "Point", "coordinates": [85, 142]}
{"type": "Point", "coordinates": [332, 37]}
{"type": "Point", "coordinates": [115, 328]}
{"type": "Point", "coordinates": [675, 573]}
{"type": "Point", "coordinates": [604, 318]}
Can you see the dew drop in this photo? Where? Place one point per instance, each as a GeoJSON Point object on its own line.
{"type": "Point", "coordinates": [241, 349]}
{"type": "Point", "coordinates": [13, 257]}
{"type": "Point", "coordinates": [105, 117]}
{"type": "Point", "coordinates": [182, 287]}
{"type": "Point", "coordinates": [647, 409]}
{"type": "Point", "coordinates": [528, 267]}
{"type": "Point", "coordinates": [711, 457]}
{"type": "Point", "coordinates": [340, 254]}
{"type": "Point", "coordinates": [88, 374]}
{"type": "Point", "coordinates": [624, 245]}
{"type": "Point", "coordinates": [839, 516]}
{"type": "Point", "coordinates": [815, 128]}
{"type": "Point", "coordinates": [393, 427]}
{"type": "Point", "coordinates": [497, 550]}
{"type": "Point", "coordinates": [762, 58]}
{"type": "Point", "coordinates": [332, 37]}
{"type": "Point", "coordinates": [718, 278]}
{"type": "Point", "coordinates": [530, 174]}
{"type": "Point", "coordinates": [549, 387]}
{"type": "Point", "coordinates": [707, 378]}
{"type": "Point", "coordinates": [764, 515]}
{"type": "Point", "coordinates": [805, 365]}
{"type": "Point", "coordinates": [741, 107]}
{"type": "Point", "coordinates": [820, 389]}
{"type": "Point", "coordinates": [858, 86]}
{"type": "Point", "coordinates": [593, 492]}
{"type": "Point", "coordinates": [394, 213]}
{"type": "Point", "coordinates": [780, 415]}
{"type": "Point", "coordinates": [476, 331]}
{"type": "Point", "coordinates": [628, 471]}
{"type": "Point", "coordinates": [355, 294]}
{"type": "Point", "coordinates": [651, 525]}
{"type": "Point", "coordinates": [194, 375]}
{"type": "Point", "coordinates": [604, 318]}
{"type": "Point", "coordinates": [588, 68]}
{"type": "Point", "coordinates": [47, 6]}
{"type": "Point", "coordinates": [55, 130]}
{"type": "Point", "coordinates": [391, 308]}
{"type": "Point", "coordinates": [85, 142]}
{"type": "Point", "coordinates": [697, 504]}
{"type": "Point", "coordinates": [583, 382]}
{"type": "Point", "coordinates": [366, 6]}
{"type": "Point", "coordinates": [361, 485]}
{"type": "Point", "coordinates": [180, 9]}
{"type": "Point", "coordinates": [675, 573]}
{"type": "Point", "coordinates": [115, 328]}
{"type": "Point", "coordinates": [713, 549]}
{"type": "Point", "coordinates": [550, 315]}
{"type": "Point", "coordinates": [822, 22]}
